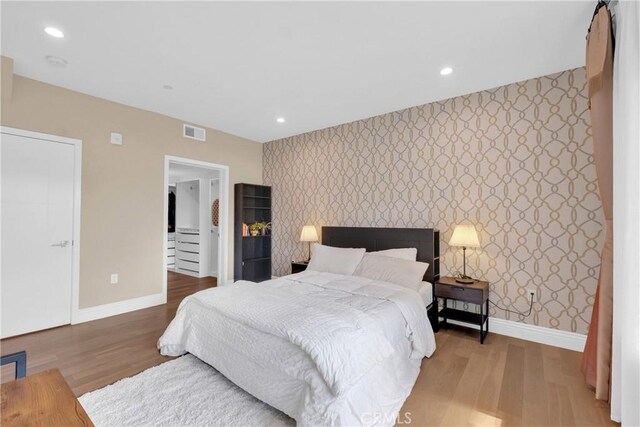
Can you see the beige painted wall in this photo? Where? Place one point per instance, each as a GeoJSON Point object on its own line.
{"type": "Point", "coordinates": [122, 195]}
{"type": "Point", "coordinates": [516, 161]}
{"type": "Point", "coordinates": [6, 73]}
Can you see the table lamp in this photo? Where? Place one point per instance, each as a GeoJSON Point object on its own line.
{"type": "Point", "coordinates": [309, 234]}
{"type": "Point", "coordinates": [464, 235]}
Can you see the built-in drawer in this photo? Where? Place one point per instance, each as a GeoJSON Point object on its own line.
{"type": "Point", "coordinates": [171, 244]}
{"type": "Point", "coordinates": [188, 247]}
{"type": "Point", "coordinates": [171, 252]}
{"type": "Point", "coordinates": [188, 256]}
{"type": "Point", "coordinates": [191, 238]}
{"type": "Point", "coordinates": [187, 265]}
{"type": "Point", "coordinates": [460, 293]}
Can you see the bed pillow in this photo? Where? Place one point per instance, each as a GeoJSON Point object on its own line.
{"type": "Point", "coordinates": [328, 259]}
{"type": "Point", "coordinates": [394, 270]}
{"type": "Point", "coordinates": [410, 254]}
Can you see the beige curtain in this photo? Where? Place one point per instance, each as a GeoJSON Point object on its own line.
{"type": "Point", "coordinates": [596, 360]}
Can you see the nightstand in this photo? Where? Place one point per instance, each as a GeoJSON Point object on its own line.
{"type": "Point", "coordinates": [298, 266]}
{"type": "Point", "coordinates": [475, 293]}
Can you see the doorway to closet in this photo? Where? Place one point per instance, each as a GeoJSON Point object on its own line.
{"type": "Point", "coordinates": [196, 219]}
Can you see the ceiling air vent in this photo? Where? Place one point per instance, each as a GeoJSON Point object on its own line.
{"type": "Point", "coordinates": [193, 132]}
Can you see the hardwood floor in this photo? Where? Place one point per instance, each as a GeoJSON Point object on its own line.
{"type": "Point", "coordinates": [94, 354]}
{"type": "Point", "coordinates": [506, 381]}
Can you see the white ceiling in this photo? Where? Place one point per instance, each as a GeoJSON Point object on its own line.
{"type": "Point", "coordinates": [238, 66]}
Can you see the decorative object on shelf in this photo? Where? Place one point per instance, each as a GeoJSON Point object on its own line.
{"type": "Point", "coordinates": [309, 234]}
{"type": "Point", "coordinates": [266, 228]}
{"type": "Point", "coordinates": [215, 212]}
{"type": "Point", "coordinates": [464, 235]}
{"type": "Point", "coordinates": [260, 228]}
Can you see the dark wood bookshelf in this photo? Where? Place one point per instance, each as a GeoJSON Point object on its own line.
{"type": "Point", "coordinates": [252, 254]}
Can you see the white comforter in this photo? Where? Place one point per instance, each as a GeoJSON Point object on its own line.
{"type": "Point", "coordinates": [319, 334]}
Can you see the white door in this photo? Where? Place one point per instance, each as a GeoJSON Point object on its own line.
{"type": "Point", "coordinates": [37, 234]}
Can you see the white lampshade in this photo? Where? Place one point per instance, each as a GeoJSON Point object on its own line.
{"type": "Point", "coordinates": [309, 234]}
{"type": "Point", "coordinates": [465, 235]}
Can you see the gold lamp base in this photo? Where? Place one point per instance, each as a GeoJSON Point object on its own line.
{"type": "Point", "coordinates": [463, 278]}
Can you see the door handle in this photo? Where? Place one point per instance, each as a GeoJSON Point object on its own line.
{"type": "Point", "coordinates": [62, 244]}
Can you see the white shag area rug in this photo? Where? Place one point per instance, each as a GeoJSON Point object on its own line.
{"type": "Point", "coordinates": [181, 392]}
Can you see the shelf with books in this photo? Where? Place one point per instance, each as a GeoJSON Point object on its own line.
{"type": "Point", "coordinates": [252, 249]}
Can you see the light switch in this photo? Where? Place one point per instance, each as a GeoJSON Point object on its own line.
{"type": "Point", "coordinates": [116, 138]}
{"type": "Point", "coordinates": [114, 279]}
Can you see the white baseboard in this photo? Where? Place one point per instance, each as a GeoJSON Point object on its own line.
{"type": "Point", "coordinates": [120, 307]}
{"type": "Point", "coordinates": [539, 334]}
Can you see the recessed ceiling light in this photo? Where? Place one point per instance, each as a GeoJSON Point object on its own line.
{"type": "Point", "coordinates": [54, 32]}
{"type": "Point", "coordinates": [280, 120]}
{"type": "Point", "coordinates": [168, 87]}
{"type": "Point", "coordinates": [56, 60]}
{"type": "Point", "coordinates": [446, 71]}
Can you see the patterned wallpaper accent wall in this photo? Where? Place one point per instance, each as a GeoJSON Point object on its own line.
{"type": "Point", "coordinates": [516, 161]}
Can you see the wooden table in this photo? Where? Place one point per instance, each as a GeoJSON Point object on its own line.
{"type": "Point", "coordinates": [42, 399]}
{"type": "Point", "coordinates": [476, 293]}
{"type": "Point", "coordinates": [298, 266]}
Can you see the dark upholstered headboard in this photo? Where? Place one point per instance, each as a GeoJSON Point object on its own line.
{"type": "Point", "coordinates": [425, 240]}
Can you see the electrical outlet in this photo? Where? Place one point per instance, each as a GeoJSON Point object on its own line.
{"type": "Point", "coordinates": [531, 292]}
{"type": "Point", "coordinates": [114, 279]}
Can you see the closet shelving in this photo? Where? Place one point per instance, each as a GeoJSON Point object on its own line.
{"type": "Point", "coordinates": [171, 251]}
{"type": "Point", "coordinates": [191, 249]}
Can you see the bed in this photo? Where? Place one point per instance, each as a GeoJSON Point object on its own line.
{"type": "Point", "coordinates": [324, 348]}
{"type": "Point", "coordinates": [425, 240]}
